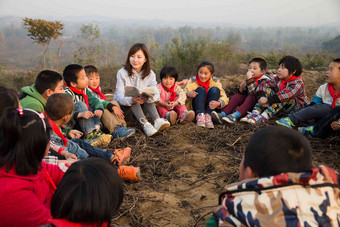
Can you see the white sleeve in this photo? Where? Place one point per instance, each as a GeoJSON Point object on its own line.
{"type": "Point", "coordinates": [153, 83]}
{"type": "Point", "coordinates": [120, 91]}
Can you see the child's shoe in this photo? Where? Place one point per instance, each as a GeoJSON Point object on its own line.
{"type": "Point", "coordinates": [208, 121]}
{"type": "Point", "coordinates": [121, 156]}
{"type": "Point", "coordinates": [250, 115]}
{"type": "Point", "coordinates": [307, 131]}
{"type": "Point", "coordinates": [129, 173]}
{"type": "Point", "coordinates": [257, 120]}
{"type": "Point", "coordinates": [217, 117]}
{"type": "Point", "coordinates": [120, 131]}
{"type": "Point", "coordinates": [187, 116]}
{"type": "Point", "coordinates": [200, 120]}
{"type": "Point", "coordinates": [231, 119]}
{"type": "Point", "coordinates": [161, 124]}
{"type": "Point", "coordinates": [171, 116]}
{"type": "Point", "coordinates": [98, 139]}
{"type": "Point", "coordinates": [148, 128]}
{"type": "Point", "coordinates": [285, 122]}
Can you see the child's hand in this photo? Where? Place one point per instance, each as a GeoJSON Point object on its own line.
{"type": "Point", "coordinates": [98, 113]}
{"type": "Point", "coordinates": [214, 104]}
{"type": "Point", "coordinates": [167, 105]}
{"type": "Point", "coordinates": [263, 101]}
{"type": "Point", "coordinates": [249, 74]}
{"type": "Point", "coordinates": [75, 134]}
{"type": "Point", "coordinates": [192, 94]}
{"type": "Point", "coordinates": [69, 156]}
{"type": "Point", "coordinates": [118, 112]}
{"type": "Point", "coordinates": [243, 85]}
{"type": "Point", "coordinates": [86, 115]}
{"type": "Point", "coordinates": [335, 125]}
{"type": "Point", "coordinates": [173, 104]}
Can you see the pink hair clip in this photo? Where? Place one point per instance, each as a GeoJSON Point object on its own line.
{"type": "Point", "coordinates": [21, 112]}
{"type": "Point", "coordinates": [41, 115]}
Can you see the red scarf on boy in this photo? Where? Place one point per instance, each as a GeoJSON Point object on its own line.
{"type": "Point", "coordinates": [205, 85]}
{"type": "Point", "coordinates": [86, 98]}
{"type": "Point", "coordinates": [335, 97]}
{"type": "Point", "coordinates": [257, 79]}
{"type": "Point", "coordinates": [57, 131]}
{"type": "Point", "coordinates": [284, 82]}
{"type": "Point", "coordinates": [172, 91]}
{"type": "Point", "coordinates": [98, 91]}
{"type": "Point", "coordinates": [49, 180]}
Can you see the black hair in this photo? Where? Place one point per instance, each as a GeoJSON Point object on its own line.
{"type": "Point", "coordinates": [274, 150]}
{"type": "Point", "coordinates": [168, 71]}
{"type": "Point", "coordinates": [292, 64]}
{"type": "Point", "coordinates": [207, 64]}
{"type": "Point", "coordinates": [337, 60]}
{"type": "Point", "coordinates": [90, 69]}
{"type": "Point", "coordinates": [23, 141]}
{"type": "Point", "coordinates": [8, 98]}
{"type": "Point", "coordinates": [70, 73]}
{"type": "Point", "coordinates": [47, 79]}
{"type": "Point", "coordinates": [90, 192]}
{"type": "Point", "coordinates": [59, 105]}
{"type": "Point", "coordinates": [261, 61]}
{"type": "Point", "coordinates": [146, 68]}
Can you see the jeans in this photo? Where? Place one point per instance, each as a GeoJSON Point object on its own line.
{"type": "Point", "coordinates": [202, 100]}
{"type": "Point", "coordinates": [86, 125]}
{"type": "Point", "coordinates": [323, 127]}
{"type": "Point", "coordinates": [82, 150]}
{"type": "Point", "coordinates": [150, 108]}
{"type": "Point", "coordinates": [315, 111]}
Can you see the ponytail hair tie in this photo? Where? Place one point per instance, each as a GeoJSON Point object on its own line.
{"type": "Point", "coordinates": [21, 112]}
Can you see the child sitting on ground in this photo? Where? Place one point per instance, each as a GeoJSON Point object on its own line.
{"type": "Point", "coordinates": [279, 186]}
{"type": "Point", "coordinates": [87, 108]}
{"type": "Point", "coordinates": [205, 94]}
{"type": "Point", "coordinates": [325, 99]}
{"type": "Point", "coordinates": [113, 116]}
{"type": "Point", "coordinates": [172, 98]}
{"type": "Point", "coordinates": [46, 83]}
{"type": "Point", "coordinates": [245, 99]}
{"type": "Point", "coordinates": [284, 93]}
{"type": "Point", "coordinates": [137, 72]}
{"type": "Point", "coordinates": [88, 195]}
{"type": "Point", "coordinates": [59, 109]}
{"type": "Point", "coordinates": [27, 184]}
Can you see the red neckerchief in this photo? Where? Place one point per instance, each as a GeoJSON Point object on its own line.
{"type": "Point", "coordinates": [284, 82]}
{"type": "Point", "coordinates": [335, 97]}
{"type": "Point", "coordinates": [98, 91]}
{"type": "Point", "coordinates": [80, 93]}
{"type": "Point", "coordinates": [205, 85]}
{"type": "Point", "coordinates": [49, 180]}
{"type": "Point", "coordinates": [256, 79]}
{"type": "Point", "coordinates": [172, 91]}
{"type": "Point", "coordinates": [57, 131]}
{"type": "Point", "coordinates": [66, 223]}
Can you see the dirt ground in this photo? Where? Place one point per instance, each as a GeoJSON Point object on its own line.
{"type": "Point", "coordinates": [185, 168]}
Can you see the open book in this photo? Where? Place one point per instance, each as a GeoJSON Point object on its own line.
{"type": "Point", "coordinates": [131, 91]}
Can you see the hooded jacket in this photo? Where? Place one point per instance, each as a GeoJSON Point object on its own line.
{"type": "Point", "coordinates": [33, 99]}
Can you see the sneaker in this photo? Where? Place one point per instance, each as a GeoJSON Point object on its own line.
{"type": "Point", "coordinates": [120, 131]}
{"type": "Point", "coordinates": [161, 124]}
{"type": "Point", "coordinates": [171, 116]}
{"type": "Point", "coordinates": [148, 128]}
{"type": "Point", "coordinates": [121, 156]}
{"type": "Point", "coordinates": [231, 119]}
{"type": "Point", "coordinates": [256, 120]}
{"type": "Point", "coordinates": [187, 116]}
{"type": "Point", "coordinates": [285, 122]}
{"type": "Point", "coordinates": [307, 131]}
{"type": "Point", "coordinates": [208, 121]}
{"type": "Point", "coordinates": [129, 173]}
{"type": "Point", "coordinates": [250, 115]}
{"type": "Point", "coordinates": [98, 139]}
{"type": "Point", "coordinates": [217, 117]}
{"type": "Point", "coordinates": [200, 120]}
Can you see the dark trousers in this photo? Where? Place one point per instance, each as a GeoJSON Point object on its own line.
{"type": "Point", "coordinates": [202, 100]}
{"type": "Point", "coordinates": [323, 127]}
{"type": "Point", "coordinates": [315, 111]}
{"type": "Point", "coordinates": [245, 103]}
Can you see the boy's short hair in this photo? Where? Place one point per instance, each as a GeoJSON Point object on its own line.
{"type": "Point", "coordinates": [59, 105]}
{"type": "Point", "coordinates": [90, 192]}
{"type": "Point", "coordinates": [89, 69]}
{"type": "Point", "coordinates": [168, 71]}
{"type": "Point", "coordinates": [274, 150]}
{"type": "Point", "coordinates": [47, 79]}
{"type": "Point", "coordinates": [292, 64]}
{"type": "Point", "coordinates": [70, 73]}
{"type": "Point", "coordinates": [261, 61]}
{"type": "Point", "coordinates": [337, 60]}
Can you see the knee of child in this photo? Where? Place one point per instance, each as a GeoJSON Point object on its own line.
{"type": "Point", "coordinates": [80, 107]}
{"type": "Point", "coordinates": [214, 90]}
{"type": "Point", "coordinates": [200, 90]}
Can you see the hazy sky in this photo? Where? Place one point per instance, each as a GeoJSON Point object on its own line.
{"type": "Point", "coordinates": [237, 12]}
